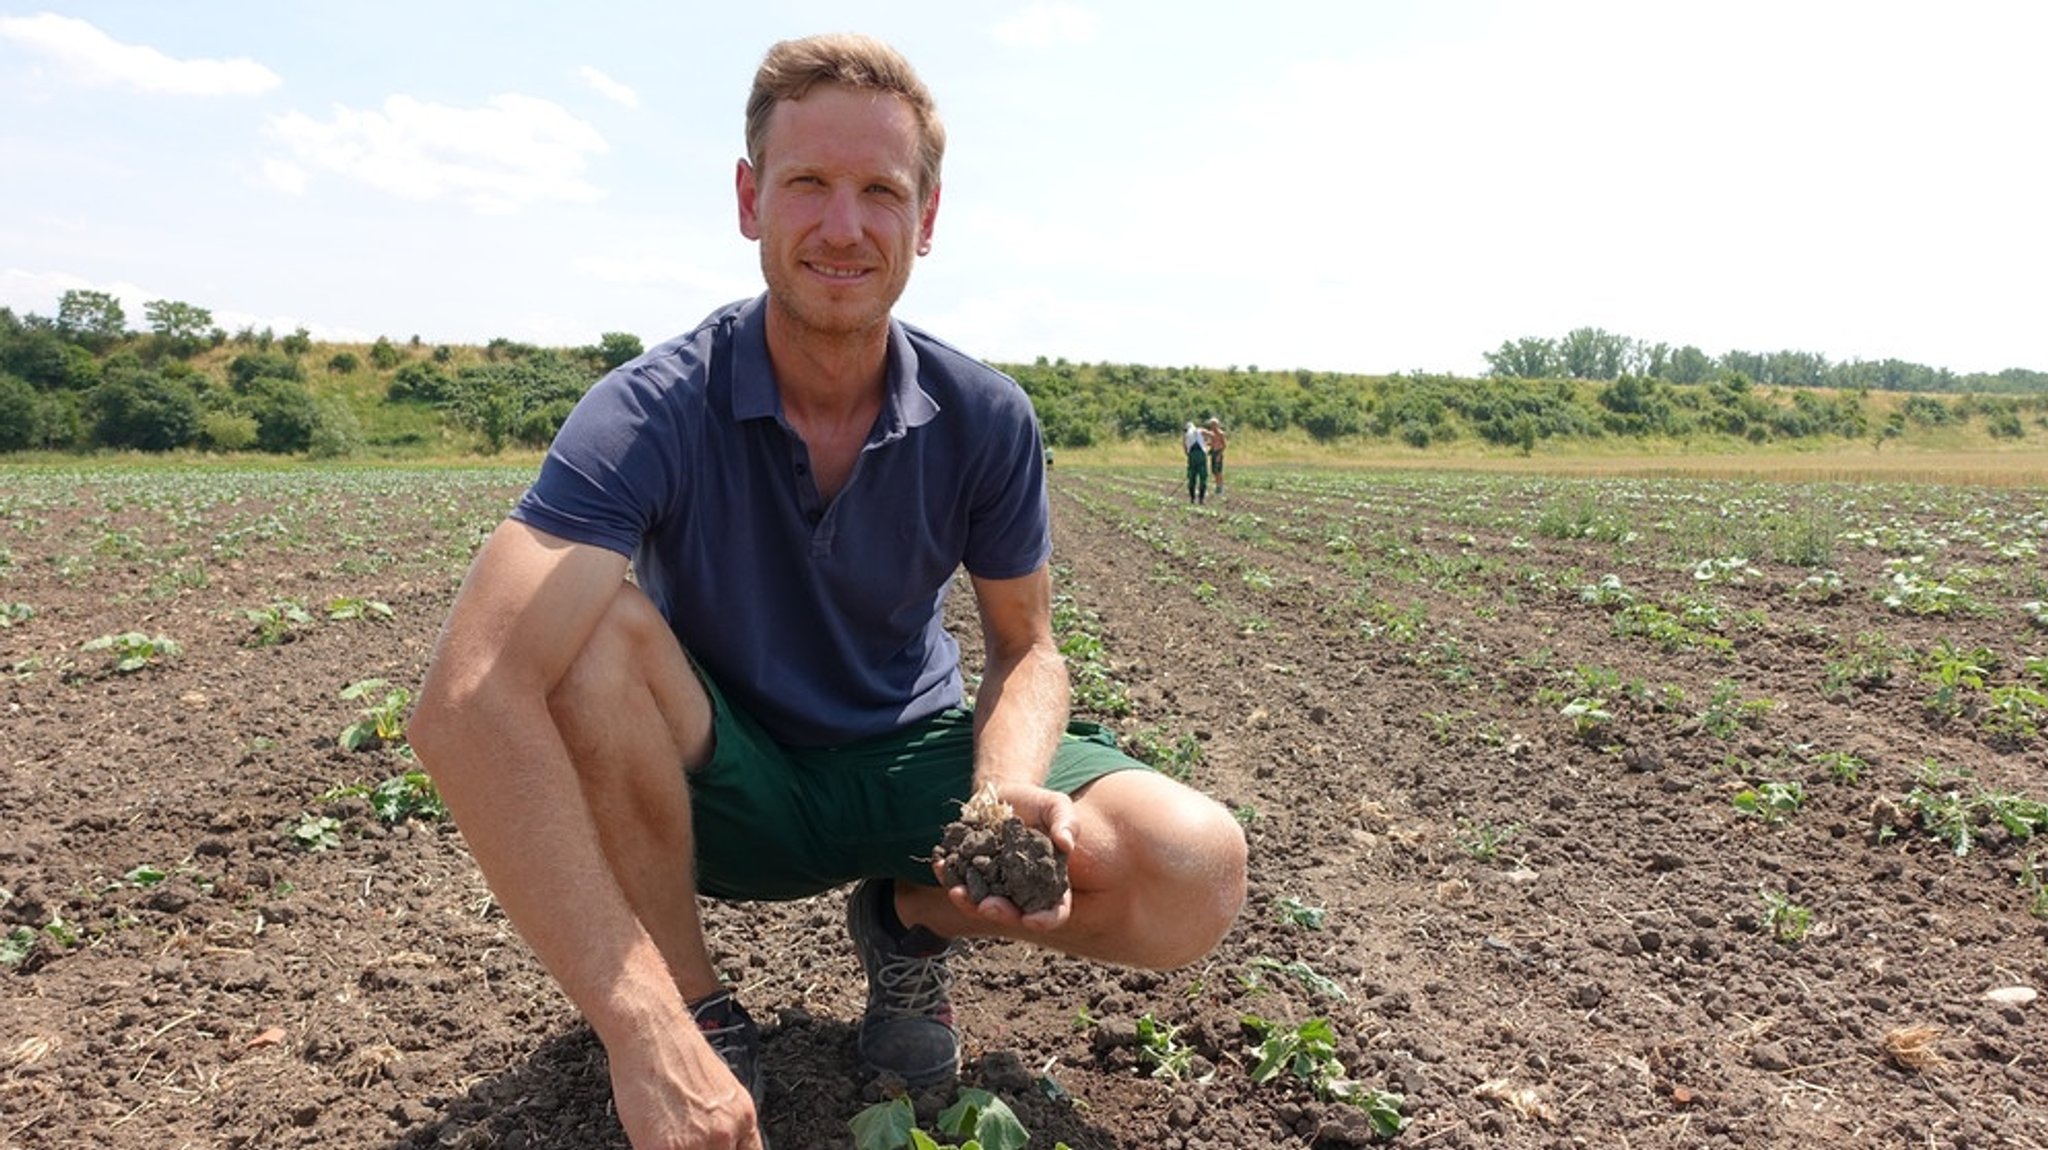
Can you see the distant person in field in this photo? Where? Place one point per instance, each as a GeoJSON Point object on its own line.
{"type": "Point", "coordinates": [772, 707]}
{"type": "Point", "coordinates": [1213, 442]}
{"type": "Point", "coordinates": [1196, 446]}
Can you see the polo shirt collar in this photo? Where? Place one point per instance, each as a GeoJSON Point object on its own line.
{"type": "Point", "coordinates": [756, 395]}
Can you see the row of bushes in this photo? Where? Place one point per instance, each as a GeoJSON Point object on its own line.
{"type": "Point", "coordinates": [63, 390]}
{"type": "Point", "coordinates": [1080, 405]}
{"type": "Point", "coordinates": [252, 392]}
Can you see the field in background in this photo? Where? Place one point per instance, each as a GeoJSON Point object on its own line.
{"type": "Point", "coordinates": [1584, 809]}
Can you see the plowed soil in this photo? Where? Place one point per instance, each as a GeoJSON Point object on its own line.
{"type": "Point", "coordinates": [1557, 869]}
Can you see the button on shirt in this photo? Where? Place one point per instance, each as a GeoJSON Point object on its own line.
{"type": "Point", "coordinates": [822, 620]}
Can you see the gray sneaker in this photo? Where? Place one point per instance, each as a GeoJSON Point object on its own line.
{"type": "Point", "coordinates": [733, 1035]}
{"type": "Point", "coordinates": [908, 1028]}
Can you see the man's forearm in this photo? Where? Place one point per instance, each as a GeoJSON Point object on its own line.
{"type": "Point", "coordinates": [1019, 716]}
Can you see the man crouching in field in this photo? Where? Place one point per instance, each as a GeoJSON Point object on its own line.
{"type": "Point", "coordinates": [773, 708]}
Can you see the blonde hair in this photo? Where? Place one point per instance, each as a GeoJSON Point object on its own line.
{"type": "Point", "coordinates": [793, 67]}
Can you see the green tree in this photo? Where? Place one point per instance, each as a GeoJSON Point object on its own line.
{"type": "Point", "coordinates": [1689, 365]}
{"type": "Point", "coordinates": [384, 355]}
{"type": "Point", "coordinates": [286, 415]}
{"type": "Point", "coordinates": [617, 347]}
{"type": "Point", "coordinates": [92, 319]}
{"type": "Point", "coordinates": [181, 328]}
{"type": "Point", "coordinates": [143, 410]}
{"type": "Point", "coordinates": [419, 382]}
{"type": "Point", "coordinates": [1592, 353]}
{"type": "Point", "coordinates": [1525, 358]}
{"type": "Point", "coordinates": [336, 432]}
{"type": "Point", "coordinates": [245, 369]}
{"type": "Point", "coordinates": [18, 403]}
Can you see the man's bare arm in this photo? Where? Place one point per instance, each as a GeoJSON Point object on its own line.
{"type": "Point", "coordinates": [485, 731]}
{"type": "Point", "coordinates": [1021, 709]}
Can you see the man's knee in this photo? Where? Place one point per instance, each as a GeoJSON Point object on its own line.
{"type": "Point", "coordinates": [1186, 865]}
{"type": "Point", "coordinates": [631, 683]}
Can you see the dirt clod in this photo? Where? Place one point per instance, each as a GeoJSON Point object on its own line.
{"type": "Point", "coordinates": [990, 851]}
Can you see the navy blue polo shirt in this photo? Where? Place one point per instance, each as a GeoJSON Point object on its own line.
{"type": "Point", "coordinates": [822, 620]}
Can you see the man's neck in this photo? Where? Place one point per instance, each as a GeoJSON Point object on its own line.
{"type": "Point", "coordinates": [825, 376]}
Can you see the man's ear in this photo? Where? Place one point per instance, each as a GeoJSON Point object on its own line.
{"type": "Point", "coordinates": [747, 191]}
{"type": "Point", "coordinates": [925, 225]}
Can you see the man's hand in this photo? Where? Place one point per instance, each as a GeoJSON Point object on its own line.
{"type": "Point", "coordinates": [674, 1093]}
{"type": "Point", "coordinates": [1049, 812]}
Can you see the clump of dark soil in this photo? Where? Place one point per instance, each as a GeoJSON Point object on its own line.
{"type": "Point", "coordinates": [990, 851]}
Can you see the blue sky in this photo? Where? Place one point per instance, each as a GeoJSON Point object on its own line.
{"type": "Point", "coordinates": [1342, 186]}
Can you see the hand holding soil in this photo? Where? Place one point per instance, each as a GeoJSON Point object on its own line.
{"type": "Point", "coordinates": [991, 852]}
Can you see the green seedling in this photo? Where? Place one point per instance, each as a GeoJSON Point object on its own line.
{"type": "Point", "coordinates": [133, 650]}
{"type": "Point", "coordinates": [2034, 880]}
{"type": "Point", "coordinates": [1943, 813]}
{"type": "Point", "coordinates": [1588, 717]}
{"type": "Point", "coordinates": [2022, 817]}
{"type": "Point", "coordinates": [275, 624]}
{"type": "Point", "coordinates": [2015, 710]}
{"type": "Point", "coordinates": [1094, 688]}
{"type": "Point", "coordinates": [343, 608]}
{"type": "Point", "coordinates": [1773, 802]}
{"type": "Point", "coordinates": [1294, 912]}
{"type": "Point", "coordinates": [1955, 671]}
{"type": "Point", "coordinates": [1842, 766]}
{"type": "Point", "coordinates": [317, 833]}
{"type": "Point", "coordinates": [1727, 712]}
{"type": "Point", "coordinates": [383, 722]}
{"type": "Point", "coordinates": [1309, 1052]}
{"type": "Point", "coordinates": [1160, 1047]}
{"type": "Point", "coordinates": [1483, 840]}
{"type": "Point", "coordinates": [1608, 592]}
{"type": "Point", "coordinates": [12, 613]}
{"type": "Point", "coordinates": [16, 944]}
{"type": "Point", "coordinates": [1786, 920]}
{"type": "Point", "coordinates": [1951, 817]}
{"type": "Point", "coordinates": [1302, 973]}
{"type": "Point", "coordinates": [980, 1119]}
{"type": "Point", "coordinates": [1866, 665]}
{"type": "Point", "coordinates": [145, 876]}
{"type": "Point", "coordinates": [398, 798]}
{"type": "Point", "coordinates": [1176, 759]}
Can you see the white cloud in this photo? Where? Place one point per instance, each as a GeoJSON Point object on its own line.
{"type": "Point", "coordinates": [609, 88]}
{"type": "Point", "coordinates": [93, 57]}
{"type": "Point", "coordinates": [1042, 24]}
{"type": "Point", "coordinates": [654, 271]}
{"type": "Point", "coordinates": [284, 176]}
{"type": "Point", "coordinates": [511, 152]}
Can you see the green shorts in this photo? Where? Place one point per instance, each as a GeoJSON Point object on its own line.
{"type": "Point", "coordinates": [779, 822]}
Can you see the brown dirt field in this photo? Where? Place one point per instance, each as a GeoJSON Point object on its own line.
{"type": "Point", "coordinates": [1538, 937]}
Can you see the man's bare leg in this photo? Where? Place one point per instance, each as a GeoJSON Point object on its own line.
{"type": "Point", "coordinates": [634, 714]}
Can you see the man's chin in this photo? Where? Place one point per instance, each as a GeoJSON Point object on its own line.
{"type": "Point", "coordinates": [833, 318]}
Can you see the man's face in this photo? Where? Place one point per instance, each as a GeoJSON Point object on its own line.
{"type": "Point", "coordinates": [835, 208]}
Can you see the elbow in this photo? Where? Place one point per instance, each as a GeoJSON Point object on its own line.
{"type": "Point", "coordinates": [431, 730]}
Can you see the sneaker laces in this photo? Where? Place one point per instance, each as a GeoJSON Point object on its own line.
{"type": "Point", "coordinates": [720, 1018]}
{"type": "Point", "coordinates": [916, 984]}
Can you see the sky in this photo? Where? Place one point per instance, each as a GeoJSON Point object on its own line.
{"type": "Point", "coordinates": [1343, 186]}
